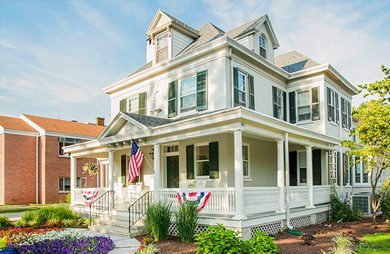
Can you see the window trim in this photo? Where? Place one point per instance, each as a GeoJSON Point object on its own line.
{"type": "Point", "coordinates": [262, 48]}
{"type": "Point", "coordinates": [164, 48]}
{"type": "Point", "coordinates": [191, 108]}
{"type": "Point", "coordinates": [279, 108]}
{"type": "Point", "coordinates": [299, 183]}
{"type": "Point", "coordinates": [63, 140]}
{"type": "Point", "coordinates": [249, 89]}
{"type": "Point", "coordinates": [196, 160]}
{"type": "Point", "coordinates": [309, 105]}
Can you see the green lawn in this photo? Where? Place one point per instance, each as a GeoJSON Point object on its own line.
{"type": "Point", "coordinates": [378, 243]}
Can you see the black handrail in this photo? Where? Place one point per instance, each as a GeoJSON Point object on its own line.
{"type": "Point", "coordinates": [101, 204]}
{"type": "Point", "coordinates": [138, 209]}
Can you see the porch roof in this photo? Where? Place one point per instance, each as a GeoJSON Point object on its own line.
{"type": "Point", "coordinates": [159, 130]}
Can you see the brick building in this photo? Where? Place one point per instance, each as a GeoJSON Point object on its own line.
{"type": "Point", "coordinates": [33, 166]}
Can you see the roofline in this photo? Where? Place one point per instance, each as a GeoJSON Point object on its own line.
{"type": "Point", "coordinates": [222, 42]}
{"type": "Point", "coordinates": [32, 124]}
{"type": "Point", "coordinates": [324, 68]}
{"type": "Point", "coordinates": [17, 132]}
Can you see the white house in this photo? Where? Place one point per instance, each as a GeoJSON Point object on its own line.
{"type": "Point", "coordinates": [218, 107]}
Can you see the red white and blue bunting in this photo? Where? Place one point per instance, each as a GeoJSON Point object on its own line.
{"type": "Point", "coordinates": [89, 196]}
{"type": "Point", "coordinates": [201, 197]}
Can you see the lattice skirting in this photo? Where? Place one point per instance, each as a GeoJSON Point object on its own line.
{"type": "Point", "coordinates": [172, 230]}
{"type": "Point", "coordinates": [322, 217]}
{"type": "Point", "coordinates": [268, 229]}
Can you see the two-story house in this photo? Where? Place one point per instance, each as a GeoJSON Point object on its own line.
{"type": "Point", "coordinates": [33, 165]}
{"type": "Point", "coordinates": [262, 132]}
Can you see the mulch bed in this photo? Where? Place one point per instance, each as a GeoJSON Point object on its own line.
{"type": "Point", "coordinates": [290, 244]}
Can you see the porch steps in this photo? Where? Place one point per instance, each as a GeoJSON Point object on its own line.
{"type": "Point", "coordinates": [118, 224]}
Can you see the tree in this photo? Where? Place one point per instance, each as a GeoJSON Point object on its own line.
{"type": "Point", "coordinates": [373, 131]}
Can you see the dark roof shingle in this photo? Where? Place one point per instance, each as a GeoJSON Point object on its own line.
{"type": "Point", "coordinates": [294, 61]}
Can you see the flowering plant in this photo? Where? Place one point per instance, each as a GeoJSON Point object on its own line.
{"type": "Point", "coordinates": [91, 168]}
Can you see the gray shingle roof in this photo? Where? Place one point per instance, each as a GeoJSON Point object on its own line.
{"type": "Point", "coordinates": [207, 33]}
{"type": "Point", "coordinates": [294, 61]}
{"type": "Point", "coordinates": [146, 66]}
{"type": "Point", "coordinates": [149, 120]}
{"type": "Point", "coordinates": [245, 28]}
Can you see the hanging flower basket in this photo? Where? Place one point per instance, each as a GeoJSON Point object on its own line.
{"type": "Point", "coordinates": [91, 168]}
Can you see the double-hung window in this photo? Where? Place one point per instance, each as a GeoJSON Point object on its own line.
{"type": "Point", "coordinates": [304, 105]}
{"type": "Point", "coordinates": [62, 141]}
{"type": "Point", "coordinates": [193, 94]}
{"type": "Point", "coordinates": [135, 104]}
{"type": "Point", "coordinates": [333, 106]}
{"type": "Point", "coordinates": [358, 170]}
{"type": "Point", "coordinates": [244, 91]}
{"type": "Point", "coordinates": [162, 48]}
{"type": "Point", "coordinates": [302, 167]}
{"type": "Point", "coordinates": [202, 160]}
{"type": "Point", "coordinates": [64, 183]}
{"type": "Point", "coordinates": [245, 160]}
{"type": "Point", "coordinates": [279, 103]}
{"type": "Point", "coordinates": [262, 48]}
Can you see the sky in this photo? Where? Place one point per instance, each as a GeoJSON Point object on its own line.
{"type": "Point", "coordinates": [56, 56]}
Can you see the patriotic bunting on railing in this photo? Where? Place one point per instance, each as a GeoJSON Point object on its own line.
{"type": "Point", "coordinates": [201, 197]}
{"type": "Point", "coordinates": [89, 196]}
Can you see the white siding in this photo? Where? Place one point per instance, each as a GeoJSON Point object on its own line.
{"type": "Point", "coordinates": [163, 20]}
{"type": "Point", "coordinates": [180, 41]}
{"type": "Point", "coordinates": [244, 41]}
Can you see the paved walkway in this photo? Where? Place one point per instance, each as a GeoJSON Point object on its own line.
{"type": "Point", "coordinates": [123, 245]}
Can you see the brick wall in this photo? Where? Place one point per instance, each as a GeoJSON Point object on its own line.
{"type": "Point", "coordinates": [54, 167]}
{"type": "Point", "coordinates": [19, 169]}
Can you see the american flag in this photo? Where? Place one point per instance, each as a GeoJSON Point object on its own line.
{"type": "Point", "coordinates": [135, 163]}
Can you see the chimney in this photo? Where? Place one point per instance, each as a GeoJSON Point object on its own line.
{"type": "Point", "coordinates": [99, 121]}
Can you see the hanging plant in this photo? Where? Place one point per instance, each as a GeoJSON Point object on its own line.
{"type": "Point", "coordinates": [91, 168]}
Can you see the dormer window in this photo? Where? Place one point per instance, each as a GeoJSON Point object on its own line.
{"type": "Point", "coordinates": [263, 51]}
{"type": "Point", "coordinates": [162, 48]}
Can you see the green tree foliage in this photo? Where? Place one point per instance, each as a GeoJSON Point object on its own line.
{"type": "Point", "coordinates": [373, 131]}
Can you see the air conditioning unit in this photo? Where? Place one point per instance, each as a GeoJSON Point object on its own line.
{"type": "Point", "coordinates": [362, 202]}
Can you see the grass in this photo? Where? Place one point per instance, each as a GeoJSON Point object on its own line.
{"type": "Point", "coordinates": [22, 208]}
{"type": "Point", "coordinates": [378, 243]}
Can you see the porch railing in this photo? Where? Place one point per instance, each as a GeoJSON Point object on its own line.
{"type": "Point", "coordinates": [299, 196]}
{"type": "Point", "coordinates": [101, 204]}
{"type": "Point", "coordinates": [138, 209]}
{"type": "Point", "coordinates": [261, 199]}
{"type": "Point", "coordinates": [221, 201]}
{"type": "Point", "coordinates": [321, 194]}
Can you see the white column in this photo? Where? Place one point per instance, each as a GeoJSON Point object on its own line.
{"type": "Point", "coordinates": [102, 169]}
{"type": "Point", "coordinates": [157, 171]}
{"type": "Point", "coordinates": [238, 175]}
{"type": "Point", "coordinates": [309, 174]}
{"type": "Point", "coordinates": [111, 174]}
{"type": "Point", "coordinates": [280, 166]}
{"type": "Point", "coordinates": [73, 175]}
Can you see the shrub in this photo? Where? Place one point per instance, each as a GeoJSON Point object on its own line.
{"type": "Point", "coordinates": [158, 218]}
{"type": "Point", "coordinates": [341, 211]}
{"type": "Point", "coordinates": [41, 216]}
{"type": "Point", "coordinates": [5, 222]}
{"type": "Point", "coordinates": [68, 198]}
{"type": "Point", "coordinates": [343, 245]}
{"type": "Point", "coordinates": [219, 240]}
{"type": "Point", "coordinates": [187, 217]}
{"type": "Point", "coordinates": [385, 206]}
{"type": "Point", "coordinates": [261, 244]}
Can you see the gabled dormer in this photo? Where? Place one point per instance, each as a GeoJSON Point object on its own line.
{"type": "Point", "coordinates": [167, 37]}
{"type": "Point", "coordinates": [257, 35]}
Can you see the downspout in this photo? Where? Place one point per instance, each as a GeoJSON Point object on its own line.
{"type": "Point", "coordinates": [36, 168]}
{"type": "Point", "coordinates": [287, 177]}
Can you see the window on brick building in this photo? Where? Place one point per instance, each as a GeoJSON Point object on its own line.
{"type": "Point", "coordinates": [62, 141]}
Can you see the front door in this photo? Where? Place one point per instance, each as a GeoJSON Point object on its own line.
{"type": "Point", "coordinates": [173, 172]}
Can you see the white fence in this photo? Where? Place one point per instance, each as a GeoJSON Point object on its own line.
{"type": "Point", "coordinates": [299, 196]}
{"type": "Point", "coordinates": [261, 199]}
{"type": "Point", "coordinates": [321, 194]}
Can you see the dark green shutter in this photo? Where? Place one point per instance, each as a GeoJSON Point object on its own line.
{"type": "Point", "coordinates": [345, 168]}
{"type": "Point", "coordinates": [338, 168]}
{"type": "Point", "coordinates": [293, 168]}
{"type": "Point", "coordinates": [251, 92]}
{"type": "Point", "coordinates": [142, 104]}
{"type": "Point", "coordinates": [315, 104]}
{"type": "Point", "coordinates": [274, 99]}
{"type": "Point", "coordinates": [284, 106]}
{"type": "Point", "coordinates": [190, 161]}
{"type": "Point", "coordinates": [214, 160]}
{"type": "Point", "coordinates": [235, 86]}
{"type": "Point", "coordinates": [123, 169]}
{"type": "Point", "coordinates": [343, 116]}
{"type": "Point", "coordinates": [172, 108]}
{"type": "Point", "coordinates": [330, 111]}
{"type": "Point", "coordinates": [293, 113]}
{"type": "Point", "coordinates": [122, 105]}
{"type": "Point", "coordinates": [316, 167]}
{"type": "Point", "coordinates": [201, 90]}
{"type": "Point", "coordinates": [349, 116]}
{"type": "Point", "coordinates": [336, 98]}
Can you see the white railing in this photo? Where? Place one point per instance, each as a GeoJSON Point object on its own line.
{"type": "Point", "coordinates": [221, 201]}
{"type": "Point", "coordinates": [261, 199]}
{"type": "Point", "coordinates": [79, 198]}
{"type": "Point", "coordinates": [321, 194]}
{"type": "Point", "coordinates": [299, 196]}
